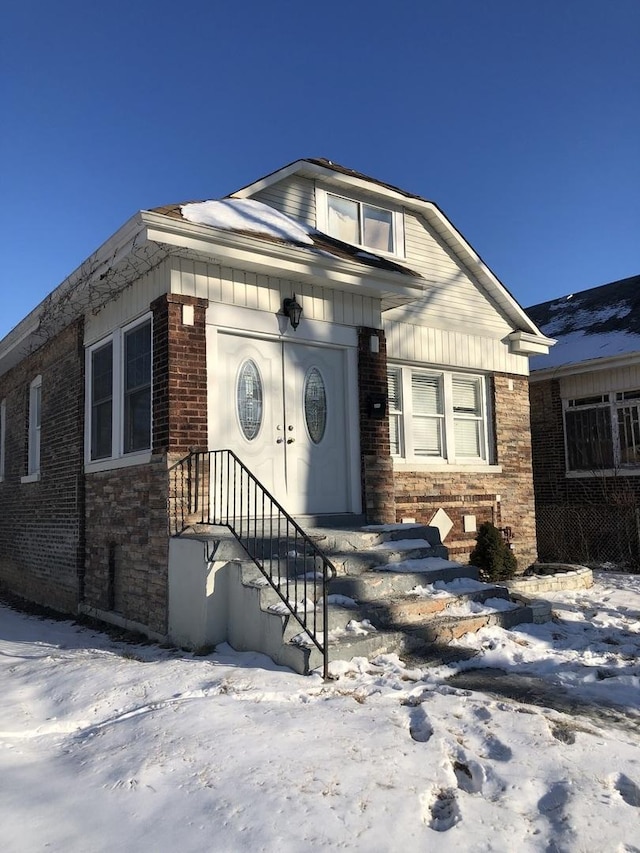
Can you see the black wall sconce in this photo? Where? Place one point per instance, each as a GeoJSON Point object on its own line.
{"type": "Point", "coordinates": [293, 310]}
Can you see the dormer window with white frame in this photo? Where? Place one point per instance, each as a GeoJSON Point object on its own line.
{"type": "Point", "coordinates": [378, 229]}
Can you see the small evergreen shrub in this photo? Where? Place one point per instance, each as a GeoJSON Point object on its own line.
{"type": "Point", "coordinates": [492, 556]}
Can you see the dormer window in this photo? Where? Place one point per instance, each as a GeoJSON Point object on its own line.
{"type": "Point", "coordinates": [357, 222]}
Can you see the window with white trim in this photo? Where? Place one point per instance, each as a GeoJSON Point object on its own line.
{"type": "Point", "coordinates": [379, 229]}
{"type": "Point", "coordinates": [3, 432]}
{"type": "Point", "coordinates": [119, 373]}
{"type": "Point", "coordinates": [438, 416]}
{"type": "Point", "coordinates": [602, 431]}
{"type": "Point", "coordinates": [35, 419]}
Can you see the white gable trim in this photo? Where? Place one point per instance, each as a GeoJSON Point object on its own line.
{"type": "Point", "coordinates": [438, 221]}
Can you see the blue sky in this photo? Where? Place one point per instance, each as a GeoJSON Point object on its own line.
{"type": "Point", "coordinates": [521, 120]}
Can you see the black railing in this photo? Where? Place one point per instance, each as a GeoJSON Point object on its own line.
{"type": "Point", "coordinates": [215, 487]}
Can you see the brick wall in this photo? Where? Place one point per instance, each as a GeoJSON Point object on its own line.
{"type": "Point", "coordinates": [127, 542]}
{"type": "Point", "coordinates": [378, 498]}
{"type": "Point", "coordinates": [420, 494]}
{"type": "Point", "coordinates": [41, 529]}
{"type": "Point", "coordinates": [179, 374]}
{"type": "Point", "coordinates": [580, 519]}
{"type": "Point", "coordinates": [547, 442]}
{"type": "Point", "coordinates": [126, 509]}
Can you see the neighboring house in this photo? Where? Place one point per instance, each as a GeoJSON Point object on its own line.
{"type": "Point", "coordinates": [585, 422]}
{"type": "Point", "coordinates": [401, 394]}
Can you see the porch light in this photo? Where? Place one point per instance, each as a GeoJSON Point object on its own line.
{"type": "Point", "coordinates": [293, 310]}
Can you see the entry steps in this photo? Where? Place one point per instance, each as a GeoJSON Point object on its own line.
{"type": "Point", "coordinates": [395, 591]}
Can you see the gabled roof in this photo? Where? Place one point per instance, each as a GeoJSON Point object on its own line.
{"type": "Point", "coordinates": [600, 323]}
{"type": "Point", "coordinates": [150, 235]}
{"type": "Point", "coordinates": [334, 173]}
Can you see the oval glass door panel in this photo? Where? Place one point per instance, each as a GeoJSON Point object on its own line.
{"type": "Point", "coordinates": [315, 405]}
{"type": "Point", "coordinates": [249, 399]}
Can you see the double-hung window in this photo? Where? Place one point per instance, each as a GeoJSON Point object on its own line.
{"type": "Point", "coordinates": [360, 223]}
{"type": "Point", "coordinates": [137, 388]}
{"type": "Point", "coordinates": [437, 416]}
{"type": "Point", "coordinates": [102, 401]}
{"type": "Point", "coordinates": [119, 372]}
{"type": "Point", "coordinates": [35, 417]}
{"type": "Point", "coordinates": [602, 431]}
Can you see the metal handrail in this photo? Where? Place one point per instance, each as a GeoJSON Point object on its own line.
{"type": "Point", "coordinates": [216, 487]}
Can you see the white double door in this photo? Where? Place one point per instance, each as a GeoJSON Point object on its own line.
{"type": "Point", "coordinates": [282, 409]}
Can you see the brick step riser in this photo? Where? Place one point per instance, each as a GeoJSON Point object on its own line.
{"type": "Point", "coordinates": [416, 609]}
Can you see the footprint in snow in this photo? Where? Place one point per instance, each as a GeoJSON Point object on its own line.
{"type": "Point", "coordinates": [628, 790]}
{"type": "Point", "coordinates": [496, 750]}
{"type": "Point", "coordinates": [469, 776]}
{"type": "Point", "coordinates": [553, 806]}
{"type": "Point", "coordinates": [564, 732]}
{"type": "Point", "coordinates": [419, 726]}
{"type": "Point", "coordinates": [440, 809]}
{"type": "Point", "coordinates": [482, 714]}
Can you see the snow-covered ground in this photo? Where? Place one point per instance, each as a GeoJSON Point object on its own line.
{"type": "Point", "coordinates": [108, 746]}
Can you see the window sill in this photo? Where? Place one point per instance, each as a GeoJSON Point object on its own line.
{"type": "Point", "coordinates": [442, 467]}
{"type": "Point", "coordinates": [31, 478]}
{"type": "Point", "coordinates": [618, 473]}
{"type": "Point", "coordinates": [122, 462]}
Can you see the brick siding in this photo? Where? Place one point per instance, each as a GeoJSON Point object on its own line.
{"type": "Point", "coordinates": [378, 497]}
{"type": "Point", "coordinates": [593, 518]}
{"type": "Point", "coordinates": [420, 494]}
{"type": "Point", "coordinates": [126, 509]}
{"type": "Point", "coordinates": [41, 530]}
{"type": "Point", "coordinates": [179, 375]}
{"type": "Point", "coordinates": [127, 542]}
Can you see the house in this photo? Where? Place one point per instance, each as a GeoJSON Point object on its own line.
{"type": "Point", "coordinates": [336, 333]}
{"type": "Point", "coordinates": [585, 423]}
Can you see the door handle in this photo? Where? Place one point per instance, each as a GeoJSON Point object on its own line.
{"type": "Point", "coordinates": [290, 440]}
{"type": "Point", "coordinates": [279, 440]}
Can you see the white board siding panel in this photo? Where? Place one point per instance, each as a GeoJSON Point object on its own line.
{"type": "Point", "coordinates": [131, 303]}
{"type": "Point", "coordinates": [455, 299]}
{"type": "Point", "coordinates": [600, 382]}
{"type": "Point", "coordinates": [446, 348]}
{"type": "Point", "coordinates": [294, 196]}
{"type": "Point", "coordinates": [265, 293]}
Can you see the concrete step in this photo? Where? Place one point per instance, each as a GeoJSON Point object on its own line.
{"type": "Point", "coordinates": [395, 591]}
{"type": "Point", "coordinates": [412, 609]}
{"type": "Point", "coordinates": [376, 585]}
{"type": "Point", "coordinates": [347, 647]}
{"type": "Point", "coordinates": [446, 628]}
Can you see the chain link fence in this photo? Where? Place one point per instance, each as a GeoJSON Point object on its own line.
{"type": "Point", "coordinates": [590, 534]}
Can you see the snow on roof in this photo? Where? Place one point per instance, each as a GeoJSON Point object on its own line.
{"type": "Point", "coordinates": [598, 323]}
{"type": "Point", "coordinates": [247, 215]}
{"type": "Point", "coordinates": [575, 347]}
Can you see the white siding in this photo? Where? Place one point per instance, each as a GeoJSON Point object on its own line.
{"type": "Point", "coordinates": [265, 293]}
{"type": "Point", "coordinates": [601, 382]}
{"type": "Point", "coordinates": [294, 196]}
{"type": "Point", "coordinates": [442, 347]}
{"type": "Point", "coordinates": [455, 299]}
{"type": "Point", "coordinates": [131, 303]}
